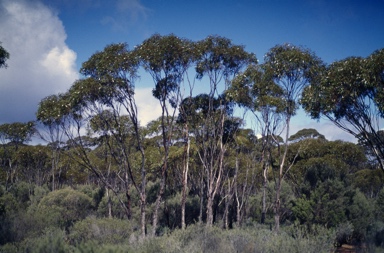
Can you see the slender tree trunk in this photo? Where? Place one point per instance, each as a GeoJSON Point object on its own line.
{"type": "Point", "coordinates": [201, 200]}
{"type": "Point", "coordinates": [143, 204]}
{"type": "Point", "coordinates": [53, 170]}
{"type": "Point", "coordinates": [128, 195]}
{"type": "Point", "coordinates": [143, 195]}
{"type": "Point", "coordinates": [239, 204]}
{"type": "Point", "coordinates": [109, 203]}
{"type": "Point", "coordinates": [155, 216]}
{"type": "Point", "coordinates": [158, 202]}
{"type": "Point", "coordinates": [280, 179]}
{"type": "Point", "coordinates": [265, 184]}
{"type": "Point", "coordinates": [227, 200]}
{"type": "Point", "coordinates": [238, 214]}
{"type": "Point", "coordinates": [210, 209]}
{"type": "Point", "coordinates": [214, 175]}
{"type": "Point", "coordinates": [185, 179]}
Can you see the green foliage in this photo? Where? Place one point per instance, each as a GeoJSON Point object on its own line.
{"type": "Point", "coordinates": [350, 95]}
{"type": "Point", "coordinates": [166, 58]}
{"type": "Point", "coordinates": [117, 210]}
{"type": "Point", "coordinates": [102, 231]}
{"type": "Point", "coordinates": [51, 110]}
{"type": "Point", "coordinates": [95, 193]}
{"type": "Point", "coordinates": [64, 207]}
{"type": "Point", "coordinates": [292, 68]}
{"type": "Point", "coordinates": [253, 239]}
{"type": "Point", "coordinates": [218, 55]}
{"type": "Point", "coordinates": [380, 205]}
{"type": "Point", "coordinates": [360, 212]}
{"type": "Point", "coordinates": [305, 134]}
{"type": "Point", "coordinates": [325, 204]}
{"type": "Point", "coordinates": [17, 133]}
{"type": "Point", "coordinates": [52, 240]}
{"type": "Point", "coordinates": [330, 185]}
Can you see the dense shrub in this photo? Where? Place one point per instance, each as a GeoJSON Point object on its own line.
{"type": "Point", "coordinates": [102, 231]}
{"type": "Point", "coordinates": [64, 207]}
{"type": "Point", "coordinates": [52, 240]}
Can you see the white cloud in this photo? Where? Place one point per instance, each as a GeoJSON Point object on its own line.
{"type": "Point", "coordinates": [40, 62]}
{"type": "Point", "coordinates": [148, 107]}
{"type": "Point", "coordinates": [127, 13]}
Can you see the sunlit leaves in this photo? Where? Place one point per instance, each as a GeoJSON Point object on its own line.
{"type": "Point", "coordinates": [292, 68]}
{"type": "Point", "coordinates": [166, 58]}
{"type": "Point", "coordinates": [254, 90]}
{"type": "Point", "coordinates": [350, 94]}
{"type": "Point", "coordinates": [17, 132]}
{"type": "Point", "coordinates": [219, 55]}
{"type": "Point", "coordinates": [51, 109]}
{"type": "Point", "coordinates": [349, 88]}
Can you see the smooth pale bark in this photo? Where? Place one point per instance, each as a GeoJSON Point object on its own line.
{"type": "Point", "coordinates": [185, 177]}
{"type": "Point", "coordinates": [265, 184]}
{"type": "Point", "coordinates": [280, 179]}
{"type": "Point", "coordinates": [109, 204]}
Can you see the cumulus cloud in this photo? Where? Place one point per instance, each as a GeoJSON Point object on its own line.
{"type": "Point", "coordinates": [40, 62]}
{"type": "Point", "coordinates": [148, 107]}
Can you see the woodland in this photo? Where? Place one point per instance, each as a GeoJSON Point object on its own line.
{"type": "Point", "coordinates": [199, 178]}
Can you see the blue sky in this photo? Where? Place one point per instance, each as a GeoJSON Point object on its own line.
{"type": "Point", "coordinates": [49, 39]}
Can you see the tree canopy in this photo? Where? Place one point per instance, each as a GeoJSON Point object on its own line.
{"type": "Point", "coordinates": [350, 94]}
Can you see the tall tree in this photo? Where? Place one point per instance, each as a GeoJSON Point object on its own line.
{"type": "Point", "coordinates": [49, 114]}
{"type": "Point", "coordinates": [351, 95]}
{"type": "Point", "coordinates": [109, 86]}
{"type": "Point", "coordinates": [12, 136]}
{"type": "Point", "coordinates": [256, 92]}
{"type": "Point", "coordinates": [167, 59]}
{"type": "Point", "coordinates": [292, 68]}
{"type": "Point", "coordinates": [219, 60]}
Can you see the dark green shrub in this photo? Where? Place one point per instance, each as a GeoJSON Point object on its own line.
{"type": "Point", "coordinates": [95, 193]}
{"type": "Point", "coordinates": [102, 231]}
{"type": "Point", "coordinates": [117, 210]}
{"type": "Point", "coordinates": [52, 240]}
{"type": "Point", "coordinates": [22, 192]}
{"type": "Point", "coordinates": [64, 207]}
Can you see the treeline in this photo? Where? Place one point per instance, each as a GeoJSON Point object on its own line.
{"type": "Point", "coordinates": [198, 163]}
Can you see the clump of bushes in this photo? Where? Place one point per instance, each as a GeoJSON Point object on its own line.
{"type": "Point", "coordinates": [102, 231]}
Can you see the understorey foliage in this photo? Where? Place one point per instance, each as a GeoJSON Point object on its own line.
{"type": "Point", "coordinates": [200, 177]}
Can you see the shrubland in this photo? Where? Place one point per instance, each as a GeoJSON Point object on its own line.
{"type": "Point", "coordinates": [199, 178]}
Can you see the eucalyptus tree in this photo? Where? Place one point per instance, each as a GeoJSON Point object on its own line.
{"type": "Point", "coordinates": [167, 59]}
{"type": "Point", "coordinates": [351, 96]}
{"type": "Point", "coordinates": [241, 173]}
{"type": "Point", "coordinates": [255, 91]}
{"type": "Point", "coordinates": [218, 61]}
{"type": "Point", "coordinates": [108, 85]}
{"type": "Point", "coordinates": [12, 136]}
{"type": "Point", "coordinates": [4, 55]}
{"type": "Point", "coordinates": [292, 68]}
{"type": "Point", "coordinates": [33, 162]}
{"type": "Point", "coordinates": [108, 152]}
{"type": "Point", "coordinates": [49, 114]}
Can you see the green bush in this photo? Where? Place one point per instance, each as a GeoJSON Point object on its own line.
{"type": "Point", "coordinates": [117, 209]}
{"type": "Point", "coordinates": [102, 231]}
{"type": "Point", "coordinates": [52, 240]}
{"type": "Point", "coordinates": [64, 207]}
{"type": "Point", "coordinates": [199, 238]}
{"type": "Point", "coordinates": [95, 193]}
